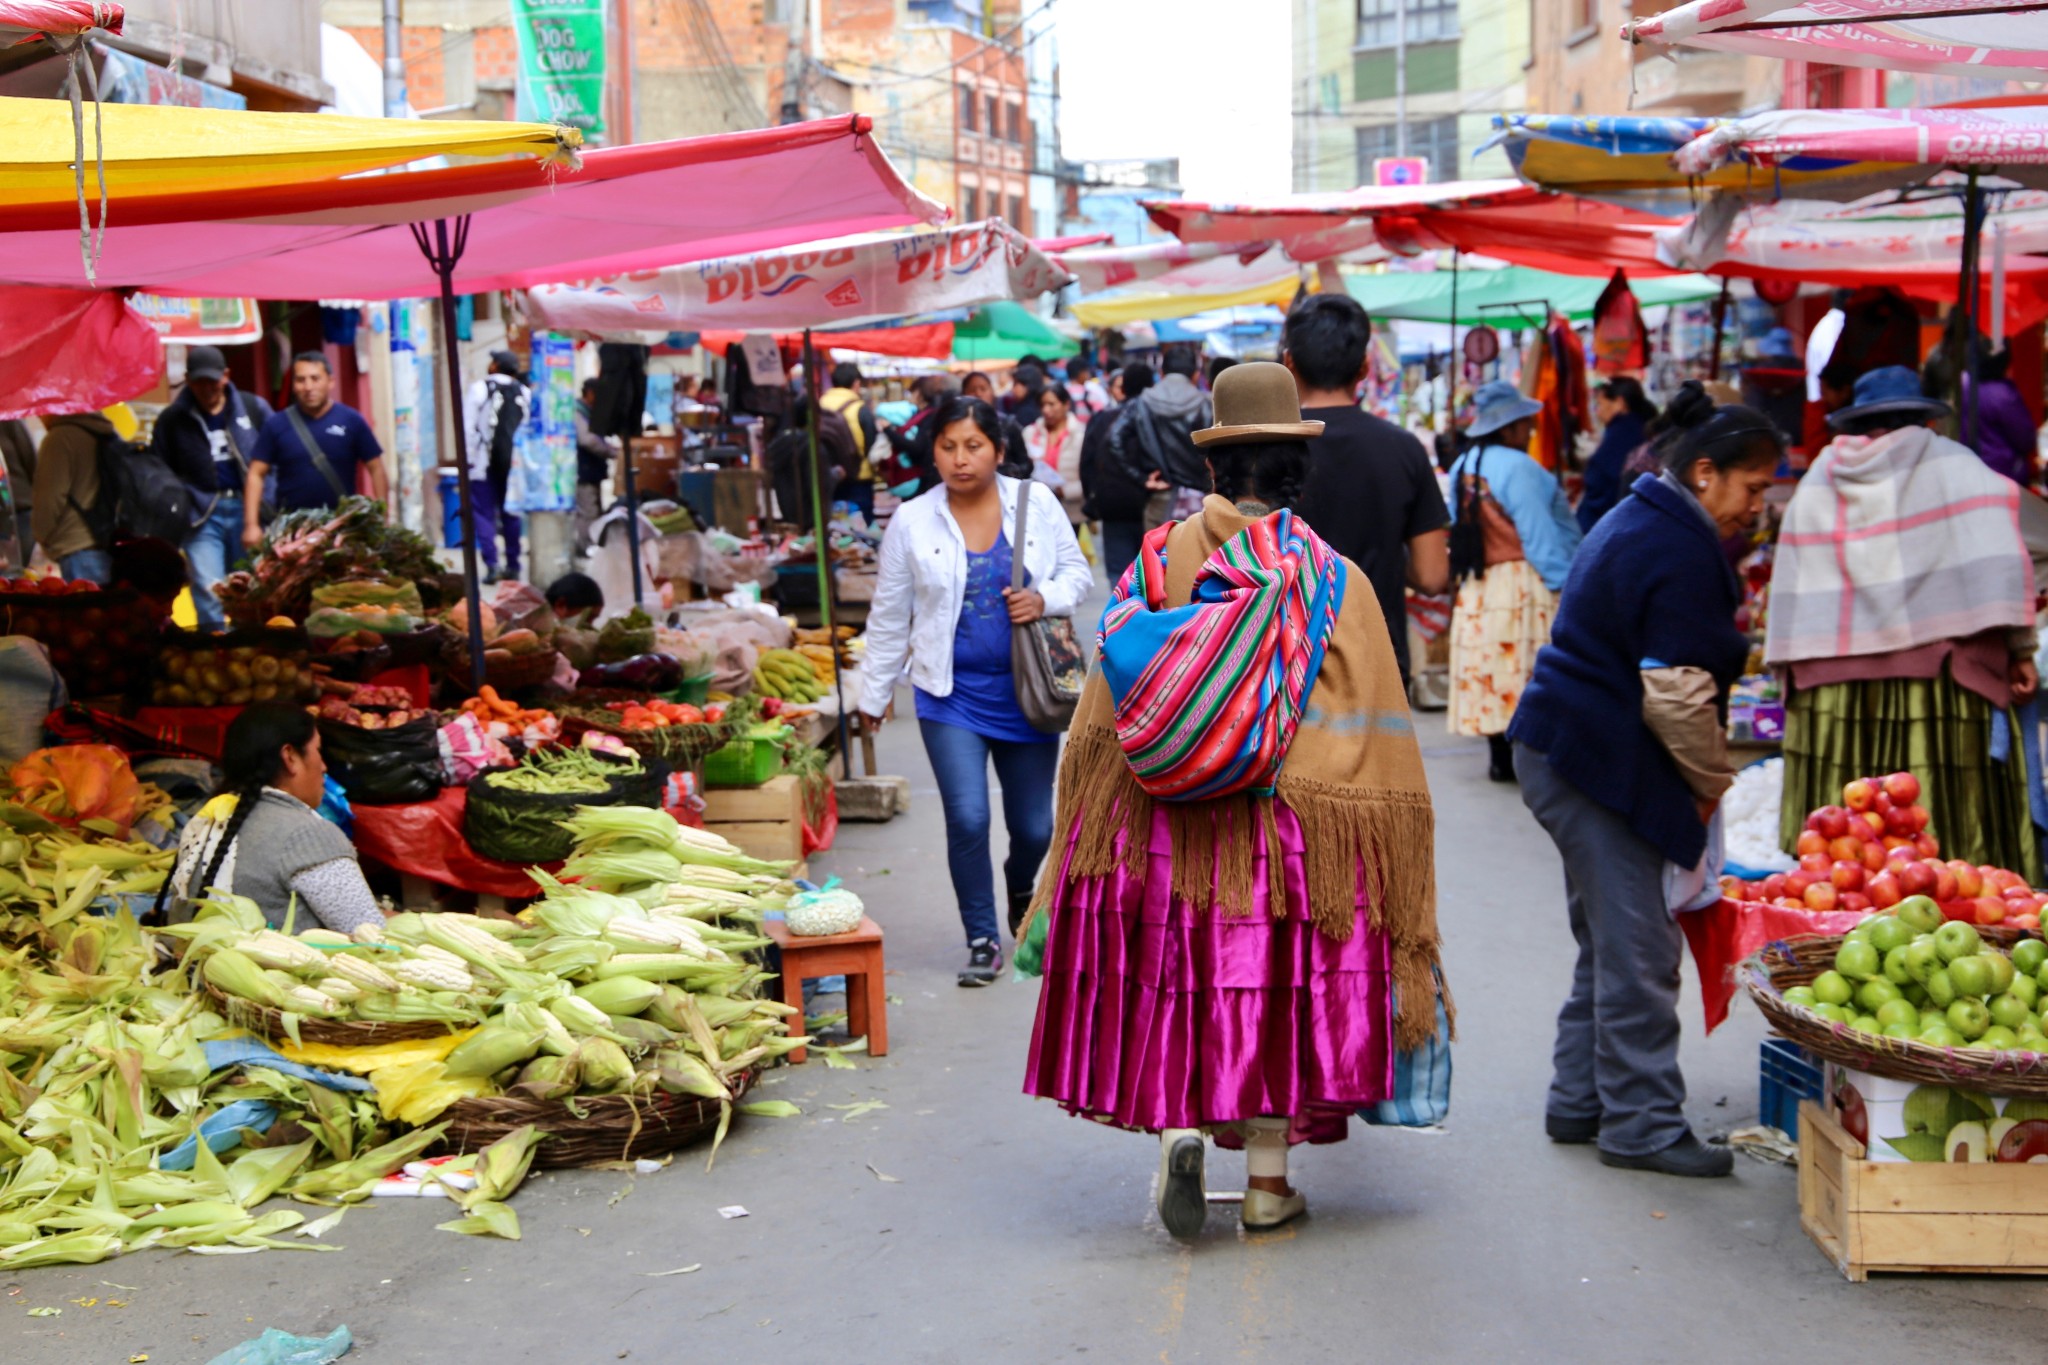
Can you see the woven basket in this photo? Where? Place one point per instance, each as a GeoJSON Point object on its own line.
{"type": "Point", "coordinates": [1768, 974]}
{"type": "Point", "coordinates": [262, 1019]}
{"type": "Point", "coordinates": [608, 1128]}
{"type": "Point", "coordinates": [523, 670]}
{"type": "Point", "coordinates": [679, 746]}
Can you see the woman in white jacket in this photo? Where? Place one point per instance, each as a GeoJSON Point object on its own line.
{"type": "Point", "coordinates": [942, 613]}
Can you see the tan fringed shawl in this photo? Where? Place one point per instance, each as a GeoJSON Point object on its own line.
{"type": "Point", "coordinates": [1354, 778]}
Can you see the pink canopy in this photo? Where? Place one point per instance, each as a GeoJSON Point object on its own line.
{"type": "Point", "coordinates": [1296, 215]}
{"type": "Point", "coordinates": [1947, 37]}
{"type": "Point", "coordinates": [72, 350]}
{"type": "Point", "coordinates": [625, 208]}
{"type": "Point", "coordinates": [1108, 267]}
{"type": "Point", "coordinates": [22, 20]}
{"type": "Point", "coordinates": [1896, 144]}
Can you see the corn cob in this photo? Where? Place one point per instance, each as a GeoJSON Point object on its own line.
{"type": "Point", "coordinates": [232, 973]}
{"type": "Point", "coordinates": [327, 937]}
{"type": "Point", "coordinates": [458, 934]}
{"type": "Point", "coordinates": [339, 989]}
{"type": "Point", "coordinates": [623, 994]}
{"type": "Point", "coordinates": [272, 949]}
{"type": "Point", "coordinates": [493, 1048]}
{"type": "Point", "coordinates": [366, 975]}
{"type": "Point", "coordinates": [580, 1016]}
{"type": "Point", "coordinates": [432, 952]}
{"type": "Point", "coordinates": [665, 933]}
{"type": "Point", "coordinates": [367, 933]}
{"type": "Point", "coordinates": [302, 999]}
{"type": "Point", "coordinates": [433, 975]}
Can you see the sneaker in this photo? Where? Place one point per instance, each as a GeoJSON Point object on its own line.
{"type": "Point", "coordinates": [1687, 1156]}
{"type": "Point", "coordinates": [1571, 1132]}
{"type": "Point", "coordinates": [984, 963]}
{"type": "Point", "coordinates": [1183, 1202]}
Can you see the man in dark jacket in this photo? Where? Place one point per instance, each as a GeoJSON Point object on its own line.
{"type": "Point", "coordinates": [205, 435]}
{"type": "Point", "coordinates": [789, 462]}
{"type": "Point", "coordinates": [1153, 440]}
{"type": "Point", "coordinates": [1108, 493]}
{"type": "Point", "coordinates": [594, 456]}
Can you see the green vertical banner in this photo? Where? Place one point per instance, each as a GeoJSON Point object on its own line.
{"type": "Point", "coordinates": [561, 62]}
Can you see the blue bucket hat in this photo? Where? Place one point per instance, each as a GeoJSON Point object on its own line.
{"type": "Point", "coordinates": [1888, 389]}
{"type": "Point", "coordinates": [1499, 404]}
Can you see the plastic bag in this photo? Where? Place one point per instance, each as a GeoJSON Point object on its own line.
{"type": "Point", "coordinates": [80, 782]}
{"type": "Point", "coordinates": [331, 623]}
{"type": "Point", "coordinates": [467, 751]}
{"type": "Point", "coordinates": [521, 606]}
{"type": "Point", "coordinates": [526, 827]}
{"type": "Point", "coordinates": [626, 636]}
{"type": "Point", "coordinates": [282, 1348]}
{"type": "Point", "coordinates": [384, 767]}
{"type": "Point", "coordinates": [370, 592]}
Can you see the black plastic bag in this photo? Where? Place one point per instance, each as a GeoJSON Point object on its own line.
{"type": "Point", "coordinates": [384, 767]}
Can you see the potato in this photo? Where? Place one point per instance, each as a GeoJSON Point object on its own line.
{"type": "Point", "coordinates": [177, 695]}
{"type": "Point", "coordinates": [239, 676]}
{"type": "Point", "coordinates": [241, 696]}
{"type": "Point", "coordinates": [205, 696]}
{"type": "Point", "coordinates": [264, 668]}
{"type": "Point", "coordinates": [264, 691]}
{"type": "Point", "coordinates": [214, 680]}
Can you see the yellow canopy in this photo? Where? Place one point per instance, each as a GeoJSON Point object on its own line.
{"type": "Point", "coordinates": [1149, 303]}
{"type": "Point", "coordinates": [172, 150]}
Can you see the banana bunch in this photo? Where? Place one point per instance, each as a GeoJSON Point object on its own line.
{"type": "Point", "coordinates": [822, 658]}
{"type": "Point", "coordinates": [787, 674]}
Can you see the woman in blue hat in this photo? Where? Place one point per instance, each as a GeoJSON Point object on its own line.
{"type": "Point", "coordinates": [1512, 541]}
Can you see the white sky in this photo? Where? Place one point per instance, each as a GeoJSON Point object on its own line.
{"type": "Point", "coordinates": [1204, 80]}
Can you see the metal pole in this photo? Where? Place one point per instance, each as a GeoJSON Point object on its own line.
{"type": "Point", "coordinates": [622, 125]}
{"type": "Point", "coordinates": [1457, 359]}
{"type": "Point", "coordinates": [443, 253]}
{"type": "Point", "coordinates": [633, 514]}
{"type": "Point", "coordinates": [1966, 289]}
{"type": "Point", "coordinates": [1720, 323]}
{"type": "Point", "coordinates": [394, 61]}
{"type": "Point", "coordinates": [1400, 77]}
{"type": "Point", "coordinates": [819, 523]}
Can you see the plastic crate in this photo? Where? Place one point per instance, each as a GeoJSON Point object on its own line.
{"type": "Point", "coordinates": [693, 692]}
{"type": "Point", "coordinates": [743, 763]}
{"type": "Point", "coordinates": [1790, 1074]}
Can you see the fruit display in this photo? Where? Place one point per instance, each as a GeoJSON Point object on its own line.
{"type": "Point", "coordinates": [835, 645]}
{"type": "Point", "coordinates": [658, 714]}
{"type": "Point", "coordinates": [306, 549]}
{"type": "Point", "coordinates": [1904, 1121]}
{"type": "Point", "coordinates": [788, 675]}
{"type": "Point", "coordinates": [348, 713]}
{"type": "Point", "coordinates": [1875, 849]}
{"type": "Point", "coordinates": [100, 640]}
{"type": "Point", "coordinates": [193, 670]}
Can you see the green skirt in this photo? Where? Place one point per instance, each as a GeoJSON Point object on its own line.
{"type": "Point", "coordinates": [1936, 730]}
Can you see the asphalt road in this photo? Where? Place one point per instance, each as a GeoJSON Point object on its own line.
{"type": "Point", "coordinates": [964, 1221]}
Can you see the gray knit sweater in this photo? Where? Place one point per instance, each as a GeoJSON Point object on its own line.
{"type": "Point", "coordinates": [283, 847]}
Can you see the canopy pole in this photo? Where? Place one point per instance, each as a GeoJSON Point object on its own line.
{"type": "Point", "coordinates": [824, 549]}
{"type": "Point", "coordinates": [1457, 356]}
{"type": "Point", "coordinates": [633, 514]}
{"type": "Point", "coordinates": [1720, 324]}
{"type": "Point", "coordinates": [1966, 290]}
{"type": "Point", "coordinates": [443, 249]}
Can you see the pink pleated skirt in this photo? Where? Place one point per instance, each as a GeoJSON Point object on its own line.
{"type": "Point", "coordinates": [1154, 1014]}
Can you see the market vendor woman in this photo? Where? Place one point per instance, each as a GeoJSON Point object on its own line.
{"type": "Point", "coordinates": [261, 836]}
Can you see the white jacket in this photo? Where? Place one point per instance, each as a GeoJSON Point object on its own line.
{"type": "Point", "coordinates": [923, 580]}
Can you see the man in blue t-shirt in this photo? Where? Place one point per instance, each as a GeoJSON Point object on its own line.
{"type": "Point", "coordinates": [315, 445]}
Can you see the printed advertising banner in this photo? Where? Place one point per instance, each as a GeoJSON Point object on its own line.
{"type": "Point", "coordinates": [561, 62]}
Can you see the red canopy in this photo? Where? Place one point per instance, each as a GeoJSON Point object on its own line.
{"type": "Point", "coordinates": [72, 350]}
{"type": "Point", "coordinates": [624, 208]}
{"type": "Point", "coordinates": [23, 20]}
{"type": "Point", "coordinates": [929, 340]}
{"type": "Point", "coordinates": [1296, 214]}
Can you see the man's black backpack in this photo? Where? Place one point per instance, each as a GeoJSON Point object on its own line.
{"type": "Point", "coordinates": [139, 496]}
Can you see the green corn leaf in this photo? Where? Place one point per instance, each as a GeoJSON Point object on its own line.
{"type": "Point", "coordinates": [486, 1218]}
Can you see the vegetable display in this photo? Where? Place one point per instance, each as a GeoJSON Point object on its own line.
{"type": "Point", "coordinates": [658, 714]}
{"type": "Point", "coordinates": [317, 546]}
{"type": "Point", "coordinates": [506, 720]}
{"type": "Point", "coordinates": [194, 674]}
{"type": "Point", "coordinates": [560, 772]}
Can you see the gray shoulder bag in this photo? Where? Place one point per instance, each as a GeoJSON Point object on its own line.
{"type": "Point", "coordinates": [1045, 657]}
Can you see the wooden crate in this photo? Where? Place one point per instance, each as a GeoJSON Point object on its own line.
{"type": "Point", "coordinates": [1989, 1218]}
{"type": "Point", "coordinates": [777, 840]}
{"type": "Point", "coordinates": [779, 799]}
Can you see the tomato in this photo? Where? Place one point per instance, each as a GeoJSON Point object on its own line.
{"type": "Point", "coordinates": [81, 585]}
{"type": "Point", "coordinates": [52, 586]}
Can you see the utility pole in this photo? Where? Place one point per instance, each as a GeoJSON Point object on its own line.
{"type": "Point", "coordinates": [1400, 77]}
{"type": "Point", "coordinates": [621, 122]}
{"type": "Point", "coordinates": [793, 71]}
{"type": "Point", "coordinates": [394, 61]}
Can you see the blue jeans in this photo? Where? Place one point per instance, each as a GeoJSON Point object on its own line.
{"type": "Point", "coordinates": [491, 520]}
{"type": "Point", "coordinates": [960, 761]}
{"type": "Point", "coordinates": [1121, 541]}
{"type": "Point", "coordinates": [213, 545]}
{"type": "Point", "coordinates": [94, 565]}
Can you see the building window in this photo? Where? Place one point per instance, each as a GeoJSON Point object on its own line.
{"type": "Point", "coordinates": [1435, 139]}
{"type": "Point", "coordinates": [1015, 112]}
{"type": "Point", "coordinates": [1589, 14]}
{"type": "Point", "coordinates": [1429, 21]}
{"type": "Point", "coordinates": [970, 204]}
{"type": "Point", "coordinates": [995, 117]}
{"type": "Point", "coordinates": [970, 108]}
{"type": "Point", "coordinates": [775, 11]}
{"type": "Point", "coordinates": [1016, 219]}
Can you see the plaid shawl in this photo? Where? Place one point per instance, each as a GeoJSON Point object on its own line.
{"type": "Point", "coordinates": [1893, 542]}
{"type": "Point", "coordinates": [1208, 695]}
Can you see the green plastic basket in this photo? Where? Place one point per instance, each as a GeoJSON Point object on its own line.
{"type": "Point", "coordinates": [743, 763]}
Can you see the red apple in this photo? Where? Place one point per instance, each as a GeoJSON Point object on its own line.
{"type": "Point", "coordinates": [1881, 804]}
{"type": "Point", "coordinates": [1855, 901]}
{"type": "Point", "coordinates": [1810, 841]}
{"type": "Point", "coordinates": [1797, 882]}
{"type": "Point", "coordinates": [1858, 795]}
{"type": "Point", "coordinates": [1790, 903]}
{"type": "Point", "coordinates": [2007, 880]}
{"type": "Point", "coordinates": [1772, 886]}
{"type": "Point", "coordinates": [1898, 852]}
{"type": "Point", "coordinates": [1927, 846]}
{"type": "Point", "coordinates": [1990, 910]}
{"type": "Point", "coordinates": [1944, 882]}
{"type": "Point", "coordinates": [1902, 788]}
{"type": "Point", "coordinates": [1831, 821]}
{"type": "Point", "coordinates": [1846, 849]}
{"type": "Point", "coordinates": [1898, 820]}
{"type": "Point", "coordinates": [1966, 911]}
{"type": "Point", "coordinates": [1916, 879]}
{"type": "Point", "coordinates": [2017, 893]}
{"type": "Point", "coordinates": [1883, 890]}
{"type": "Point", "coordinates": [1816, 863]}
{"type": "Point", "coordinates": [1820, 896]}
{"type": "Point", "coordinates": [1874, 820]}
{"type": "Point", "coordinates": [1918, 817]}
{"type": "Point", "coordinates": [2028, 921]}
{"type": "Point", "coordinates": [1969, 881]}
{"type": "Point", "coordinates": [1894, 842]}
{"type": "Point", "coordinates": [1847, 876]}
{"type": "Point", "coordinates": [1873, 856]}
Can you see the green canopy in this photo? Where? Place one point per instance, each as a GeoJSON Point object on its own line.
{"type": "Point", "coordinates": [1511, 298]}
{"type": "Point", "coordinates": [1008, 331]}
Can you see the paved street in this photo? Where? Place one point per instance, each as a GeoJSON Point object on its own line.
{"type": "Point", "coordinates": [1009, 1232]}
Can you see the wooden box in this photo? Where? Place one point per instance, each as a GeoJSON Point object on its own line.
{"type": "Point", "coordinates": [778, 800]}
{"type": "Point", "coordinates": [1917, 1216]}
{"type": "Point", "coordinates": [655, 462]}
{"type": "Point", "coordinates": [777, 840]}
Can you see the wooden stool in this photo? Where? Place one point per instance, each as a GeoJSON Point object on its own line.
{"type": "Point", "coordinates": [856, 956]}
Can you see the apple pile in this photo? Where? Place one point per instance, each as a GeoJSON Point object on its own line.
{"type": "Point", "coordinates": [1874, 851]}
{"type": "Point", "coordinates": [1912, 975]}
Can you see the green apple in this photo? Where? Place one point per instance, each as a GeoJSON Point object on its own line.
{"type": "Point", "coordinates": [1918, 913]}
{"type": "Point", "coordinates": [1941, 1035]}
{"type": "Point", "coordinates": [1971, 976]}
{"type": "Point", "coordinates": [2041, 977]}
{"type": "Point", "coordinates": [1969, 1017]}
{"type": "Point", "coordinates": [1801, 996]}
{"type": "Point", "coordinates": [1922, 958]}
{"type": "Point", "coordinates": [1876, 993]}
{"type": "Point", "coordinates": [1895, 966]}
{"type": "Point", "coordinates": [1866, 1023]}
{"type": "Point", "coordinates": [2026, 988]}
{"type": "Point", "coordinates": [1834, 1014]}
{"type": "Point", "coordinates": [1832, 988]}
{"type": "Point", "coordinates": [1941, 992]}
{"type": "Point", "coordinates": [1930, 1018]}
{"type": "Point", "coordinates": [1860, 934]}
{"type": "Point", "coordinates": [2003, 974]}
{"type": "Point", "coordinates": [1888, 932]}
{"type": "Point", "coordinates": [1900, 1013]}
{"type": "Point", "coordinates": [1956, 939]}
{"type": "Point", "coordinates": [1998, 1036]}
{"type": "Point", "coordinates": [1916, 993]}
{"type": "Point", "coordinates": [2033, 1040]}
{"type": "Point", "coordinates": [2029, 955]}
{"type": "Point", "coordinates": [1858, 960]}
{"type": "Point", "coordinates": [2009, 1010]}
{"type": "Point", "coordinates": [1903, 1031]}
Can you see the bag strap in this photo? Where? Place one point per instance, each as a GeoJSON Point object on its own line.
{"type": "Point", "coordinates": [313, 450]}
{"type": "Point", "coordinates": [1017, 536]}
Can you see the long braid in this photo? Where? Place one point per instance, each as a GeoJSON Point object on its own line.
{"type": "Point", "coordinates": [246, 800]}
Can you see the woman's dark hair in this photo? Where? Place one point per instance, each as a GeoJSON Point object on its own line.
{"type": "Point", "coordinates": [1016, 461]}
{"type": "Point", "coordinates": [1996, 364]}
{"type": "Point", "coordinates": [577, 592]}
{"type": "Point", "coordinates": [1629, 393]}
{"type": "Point", "coordinates": [1730, 437]}
{"type": "Point", "coordinates": [1182, 360]}
{"type": "Point", "coordinates": [973, 375]}
{"type": "Point", "coordinates": [960, 408]}
{"type": "Point", "coordinates": [252, 757]}
{"type": "Point", "coordinates": [1263, 471]}
{"type": "Point", "coordinates": [1058, 394]}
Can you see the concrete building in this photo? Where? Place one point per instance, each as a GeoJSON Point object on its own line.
{"type": "Point", "coordinates": [1360, 65]}
{"type": "Point", "coordinates": [255, 54]}
{"type": "Point", "coordinates": [1104, 196]}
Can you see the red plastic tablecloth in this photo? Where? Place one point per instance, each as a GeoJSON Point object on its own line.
{"type": "Point", "coordinates": [1729, 931]}
{"type": "Point", "coordinates": [425, 839]}
{"type": "Point", "coordinates": [204, 728]}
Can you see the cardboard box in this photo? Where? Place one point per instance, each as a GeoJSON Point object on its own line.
{"type": "Point", "coordinates": [779, 799]}
{"type": "Point", "coordinates": [1900, 1121]}
{"type": "Point", "coordinates": [775, 840]}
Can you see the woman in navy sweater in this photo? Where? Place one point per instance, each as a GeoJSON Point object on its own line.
{"type": "Point", "coordinates": [1645, 630]}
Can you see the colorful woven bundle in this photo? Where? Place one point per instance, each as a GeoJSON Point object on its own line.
{"type": "Point", "coordinates": [1208, 695]}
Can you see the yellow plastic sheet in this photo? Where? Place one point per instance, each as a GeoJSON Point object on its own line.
{"type": "Point", "coordinates": [364, 1060]}
{"type": "Point", "coordinates": [170, 149]}
{"type": "Point", "coordinates": [1115, 310]}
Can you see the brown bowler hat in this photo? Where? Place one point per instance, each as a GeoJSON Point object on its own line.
{"type": "Point", "coordinates": [1256, 402]}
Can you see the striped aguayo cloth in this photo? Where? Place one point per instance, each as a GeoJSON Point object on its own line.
{"type": "Point", "coordinates": [1208, 696]}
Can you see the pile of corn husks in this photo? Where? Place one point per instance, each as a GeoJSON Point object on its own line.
{"type": "Point", "coordinates": [627, 979]}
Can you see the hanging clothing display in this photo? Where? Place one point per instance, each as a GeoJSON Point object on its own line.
{"type": "Point", "coordinates": [1621, 342]}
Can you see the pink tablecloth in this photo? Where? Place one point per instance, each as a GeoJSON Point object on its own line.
{"type": "Point", "coordinates": [425, 839]}
{"type": "Point", "coordinates": [1727, 932]}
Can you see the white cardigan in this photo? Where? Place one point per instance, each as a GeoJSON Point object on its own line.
{"type": "Point", "coordinates": [923, 580]}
